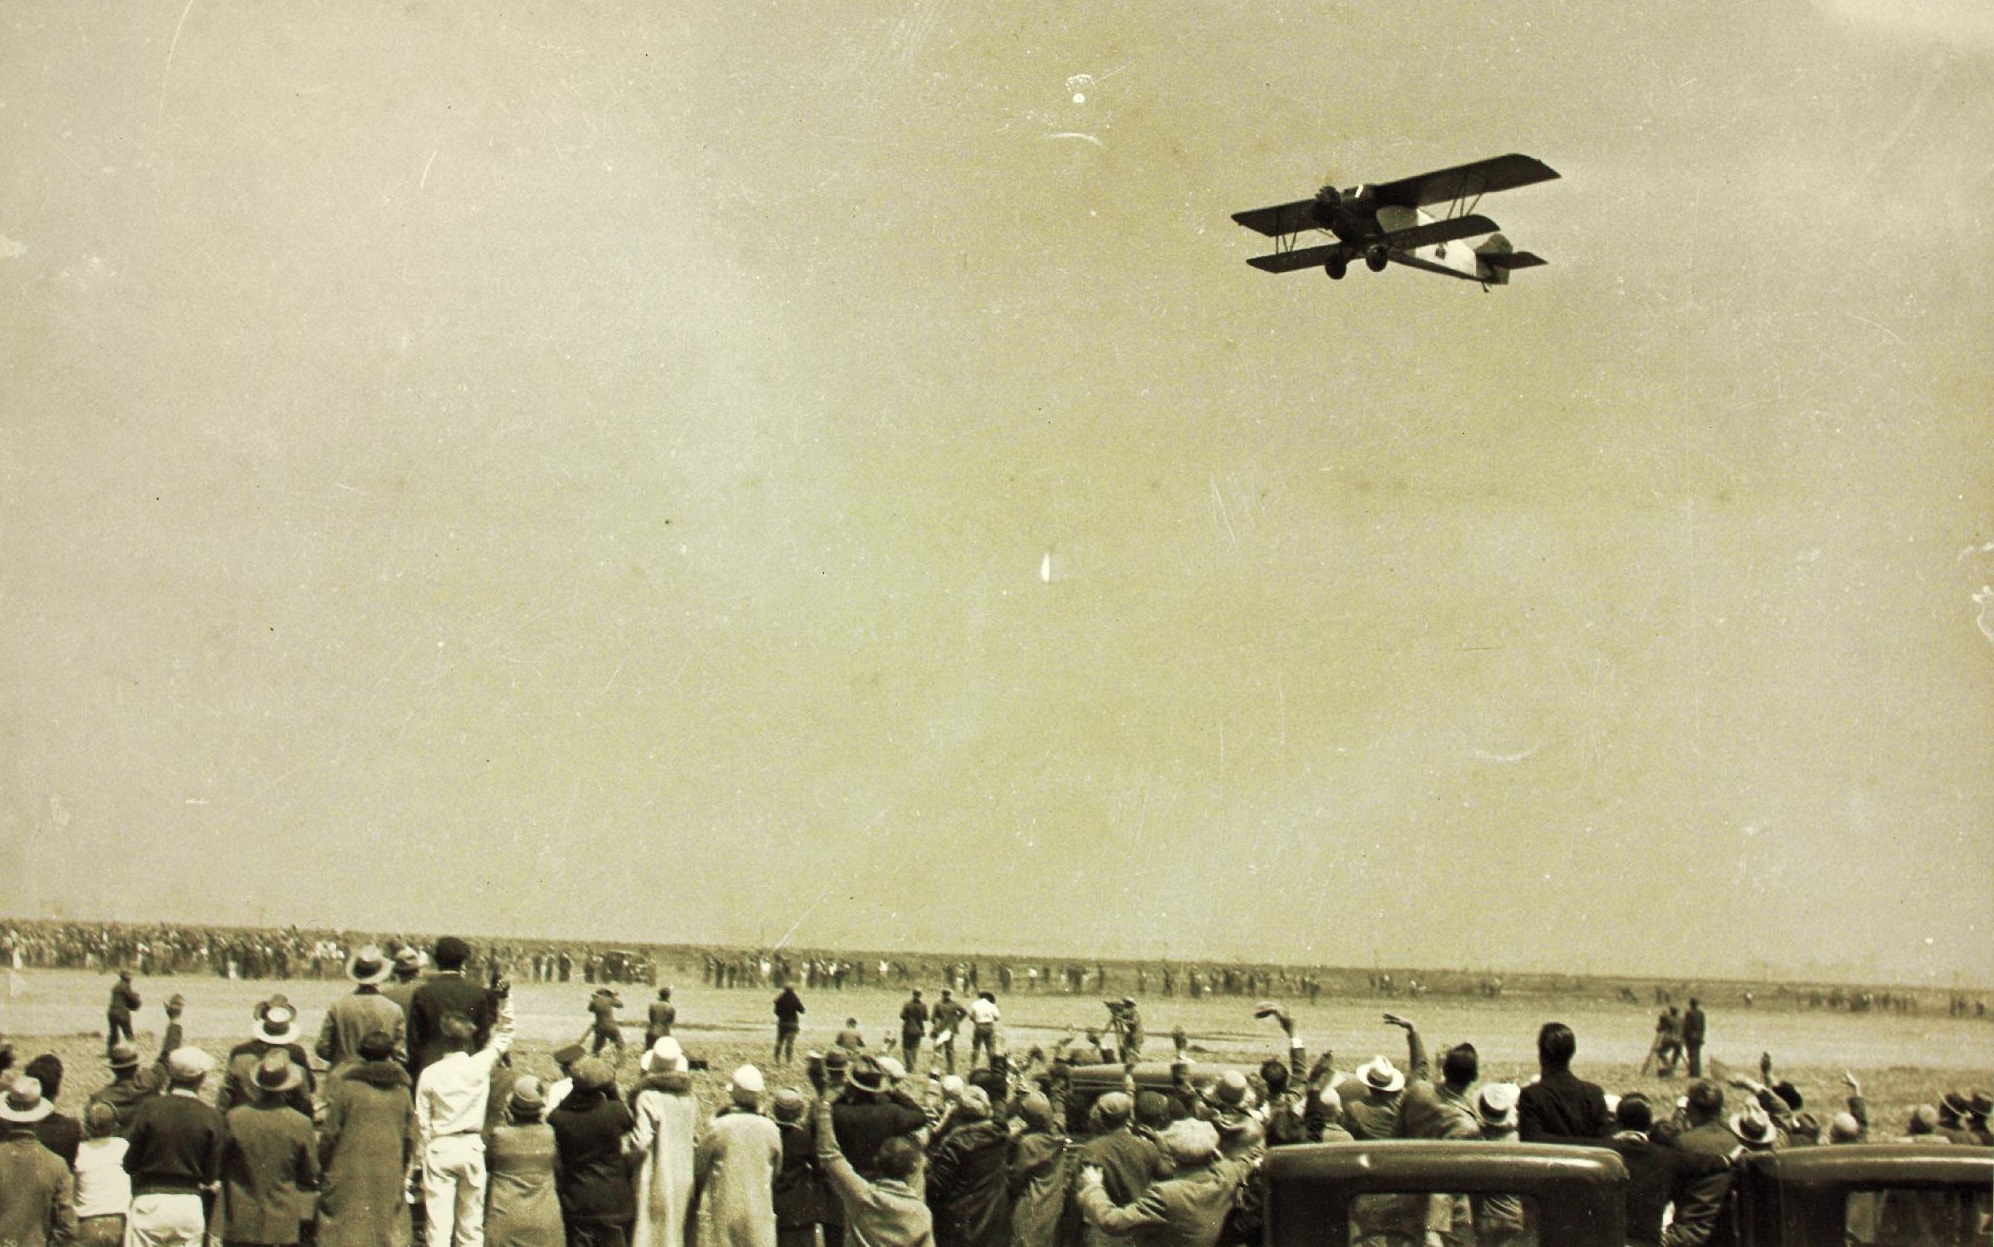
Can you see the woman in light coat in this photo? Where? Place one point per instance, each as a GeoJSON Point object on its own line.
{"type": "Point", "coordinates": [736, 1168]}
{"type": "Point", "coordinates": [663, 1143]}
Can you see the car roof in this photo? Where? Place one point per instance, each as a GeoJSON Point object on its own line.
{"type": "Point", "coordinates": [1888, 1164]}
{"type": "Point", "coordinates": [1454, 1165]}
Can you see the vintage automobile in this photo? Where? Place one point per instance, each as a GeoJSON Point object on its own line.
{"type": "Point", "coordinates": [1088, 1083]}
{"type": "Point", "coordinates": [1385, 1194]}
{"type": "Point", "coordinates": [1866, 1195]}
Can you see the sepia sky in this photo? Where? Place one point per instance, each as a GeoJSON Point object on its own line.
{"type": "Point", "coordinates": [744, 472]}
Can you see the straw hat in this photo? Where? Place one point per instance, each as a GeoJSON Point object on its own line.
{"type": "Point", "coordinates": [1381, 1076]}
{"type": "Point", "coordinates": [24, 1103]}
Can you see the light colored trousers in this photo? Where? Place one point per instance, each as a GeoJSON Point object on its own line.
{"type": "Point", "coordinates": [166, 1221]}
{"type": "Point", "coordinates": [453, 1190]}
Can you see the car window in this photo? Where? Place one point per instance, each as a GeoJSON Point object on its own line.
{"type": "Point", "coordinates": [1395, 1219]}
{"type": "Point", "coordinates": [1904, 1217]}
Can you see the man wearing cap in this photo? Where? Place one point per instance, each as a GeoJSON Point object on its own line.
{"type": "Point", "coordinates": [1560, 1104]}
{"type": "Point", "coordinates": [565, 1060]}
{"type": "Point", "coordinates": [913, 1024]}
{"type": "Point", "coordinates": [37, 1192]}
{"type": "Point", "coordinates": [175, 1155]}
{"type": "Point", "coordinates": [446, 992]}
{"type": "Point", "coordinates": [276, 1031]}
{"type": "Point", "coordinates": [735, 1169]}
{"type": "Point", "coordinates": [1187, 1209]}
{"type": "Point", "coordinates": [350, 1019]}
{"type": "Point", "coordinates": [1127, 1163]}
{"type": "Point", "coordinates": [270, 1160]}
{"type": "Point", "coordinates": [103, 1188]}
{"type": "Point", "coordinates": [451, 1098]}
{"type": "Point", "coordinates": [118, 1015]}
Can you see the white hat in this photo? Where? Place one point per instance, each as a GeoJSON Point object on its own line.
{"type": "Point", "coordinates": [666, 1054]}
{"type": "Point", "coordinates": [892, 1068]}
{"type": "Point", "coordinates": [748, 1082]}
{"type": "Point", "coordinates": [1380, 1075]}
{"type": "Point", "coordinates": [1188, 1140]}
{"type": "Point", "coordinates": [1496, 1107]}
{"type": "Point", "coordinates": [188, 1064]}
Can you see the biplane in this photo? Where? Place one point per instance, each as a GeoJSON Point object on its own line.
{"type": "Point", "coordinates": [1389, 223]}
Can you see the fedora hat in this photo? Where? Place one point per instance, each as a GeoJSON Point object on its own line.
{"type": "Point", "coordinates": [1380, 1075]}
{"type": "Point", "coordinates": [123, 1056]}
{"type": "Point", "coordinates": [24, 1103]}
{"type": "Point", "coordinates": [1752, 1127]}
{"type": "Point", "coordinates": [369, 966]}
{"type": "Point", "coordinates": [276, 1073]}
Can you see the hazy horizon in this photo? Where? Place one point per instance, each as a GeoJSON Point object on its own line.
{"type": "Point", "coordinates": [717, 474]}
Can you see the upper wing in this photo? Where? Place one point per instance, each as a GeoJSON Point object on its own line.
{"type": "Point", "coordinates": [1281, 219]}
{"type": "Point", "coordinates": [1464, 181]}
{"type": "Point", "coordinates": [1515, 260]}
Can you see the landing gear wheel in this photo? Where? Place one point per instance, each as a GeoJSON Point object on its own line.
{"type": "Point", "coordinates": [1336, 267]}
{"type": "Point", "coordinates": [1375, 259]}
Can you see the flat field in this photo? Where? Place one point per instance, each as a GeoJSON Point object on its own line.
{"type": "Point", "coordinates": [1902, 1059]}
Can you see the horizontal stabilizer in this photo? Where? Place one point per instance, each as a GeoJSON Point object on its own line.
{"type": "Point", "coordinates": [1438, 232]}
{"type": "Point", "coordinates": [1514, 260]}
{"type": "Point", "coordinates": [1281, 219]}
{"type": "Point", "coordinates": [1465, 181]}
{"type": "Point", "coordinates": [1300, 258]}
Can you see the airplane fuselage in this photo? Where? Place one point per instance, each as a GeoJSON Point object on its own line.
{"type": "Point", "coordinates": [1358, 221]}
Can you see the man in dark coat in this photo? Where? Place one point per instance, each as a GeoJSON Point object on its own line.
{"type": "Point", "coordinates": [175, 1154]}
{"type": "Point", "coordinates": [1657, 1175]}
{"type": "Point", "coordinates": [1693, 1024]}
{"type": "Point", "coordinates": [1560, 1103]}
{"type": "Point", "coordinates": [948, 1017]}
{"type": "Point", "coordinates": [789, 1013]}
{"type": "Point", "coordinates": [270, 1160]}
{"type": "Point", "coordinates": [598, 1200]}
{"type": "Point", "coordinates": [913, 1024]}
{"type": "Point", "coordinates": [660, 1018]}
{"type": "Point", "coordinates": [969, 1180]}
{"type": "Point", "coordinates": [118, 1016]}
{"type": "Point", "coordinates": [1700, 1214]}
{"type": "Point", "coordinates": [441, 994]}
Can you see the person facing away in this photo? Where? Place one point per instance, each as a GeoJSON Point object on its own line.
{"type": "Point", "coordinates": [37, 1191]}
{"type": "Point", "coordinates": [271, 1157]}
{"type": "Point", "coordinates": [1187, 1209]}
{"type": "Point", "coordinates": [598, 1202]}
{"type": "Point", "coordinates": [1694, 1026]}
{"type": "Point", "coordinates": [735, 1169]}
{"type": "Point", "coordinates": [1560, 1104]}
{"type": "Point", "coordinates": [522, 1208]}
{"type": "Point", "coordinates": [789, 1013]}
{"type": "Point", "coordinates": [882, 1213]}
{"type": "Point", "coordinates": [798, 1190]}
{"type": "Point", "coordinates": [660, 1017]}
{"type": "Point", "coordinates": [446, 992]}
{"type": "Point", "coordinates": [176, 1143]}
{"type": "Point", "coordinates": [663, 1141]}
{"type": "Point", "coordinates": [367, 1143]}
{"type": "Point", "coordinates": [451, 1099]}
{"type": "Point", "coordinates": [103, 1188]}
{"type": "Point", "coordinates": [351, 1018]}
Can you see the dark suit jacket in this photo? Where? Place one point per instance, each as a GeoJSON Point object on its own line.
{"type": "Point", "coordinates": [439, 996]}
{"type": "Point", "coordinates": [1562, 1104]}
